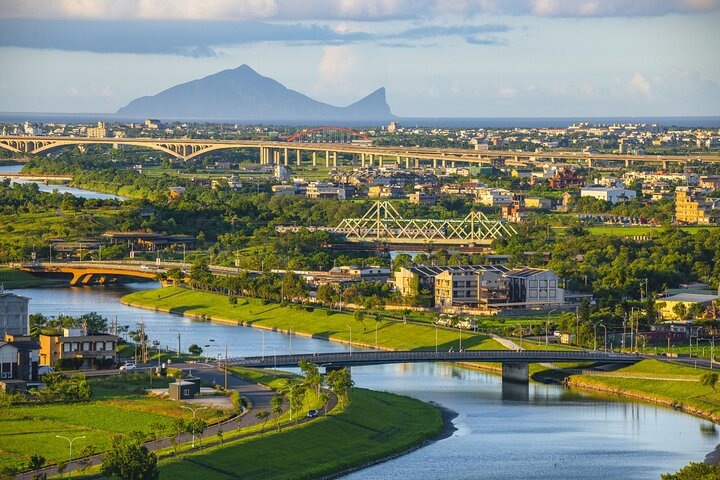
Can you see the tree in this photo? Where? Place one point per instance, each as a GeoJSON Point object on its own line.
{"type": "Point", "coordinates": [297, 399]}
{"type": "Point", "coordinates": [176, 275]}
{"type": "Point", "coordinates": [313, 379]}
{"type": "Point", "coordinates": [709, 379]}
{"type": "Point", "coordinates": [276, 406]}
{"type": "Point", "coordinates": [694, 471]}
{"type": "Point", "coordinates": [324, 398]}
{"type": "Point", "coordinates": [36, 462]}
{"type": "Point", "coordinates": [129, 459]}
{"type": "Point", "coordinates": [200, 274]}
{"type": "Point", "coordinates": [340, 383]}
{"type": "Point", "coordinates": [195, 349]}
{"type": "Point", "coordinates": [85, 455]}
{"type": "Point", "coordinates": [263, 416]}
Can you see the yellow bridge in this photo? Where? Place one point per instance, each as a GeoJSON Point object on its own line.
{"type": "Point", "coordinates": [294, 152]}
{"type": "Point", "coordinates": [86, 273]}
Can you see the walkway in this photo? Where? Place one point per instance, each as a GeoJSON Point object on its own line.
{"type": "Point", "coordinates": [258, 395]}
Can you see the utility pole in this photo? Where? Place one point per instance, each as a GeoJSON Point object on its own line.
{"type": "Point", "coordinates": [143, 346]}
{"type": "Point", "coordinates": [178, 350]}
{"type": "Point", "coordinates": [226, 366]}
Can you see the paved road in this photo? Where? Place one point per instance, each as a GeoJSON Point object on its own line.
{"type": "Point", "coordinates": [258, 395]}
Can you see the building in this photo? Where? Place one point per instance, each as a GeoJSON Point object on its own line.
{"type": "Point", "coordinates": [686, 299]}
{"type": "Point", "coordinates": [422, 198]}
{"type": "Point", "coordinates": [97, 132]}
{"type": "Point", "coordinates": [152, 124]}
{"type": "Point", "coordinates": [176, 193]}
{"type": "Point", "coordinates": [75, 344]}
{"type": "Point", "coordinates": [692, 207]}
{"type": "Point", "coordinates": [608, 194]}
{"type": "Point", "coordinates": [534, 286]}
{"type": "Point", "coordinates": [566, 178]}
{"type": "Point", "coordinates": [711, 182]}
{"type": "Point", "coordinates": [393, 127]}
{"type": "Point", "coordinates": [147, 240]}
{"type": "Point", "coordinates": [385, 191]}
{"type": "Point", "coordinates": [14, 318]}
{"type": "Point", "coordinates": [495, 197]}
{"type": "Point", "coordinates": [325, 190]}
{"type": "Point", "coordinates": [18, 362]}
{"type": "Point", "coordinates": [538, 202]}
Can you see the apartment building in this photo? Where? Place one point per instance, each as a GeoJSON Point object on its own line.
{"type": "Point", "coordinates": [14, 318]}
{"type": "Point", "coordinates": [74, 343]}
{"type": "Point", "coordinates": [692, 207]}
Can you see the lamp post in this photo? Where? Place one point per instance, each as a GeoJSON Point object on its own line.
{"type": "Point", "coordinates": [194, 412]}
{"type": "Point", "coordinates": [595, 336]}
{"type": "Point", "coordinates": [605, 342]}
{"type": "Point", "coordinates": [263, 344]}
{"type": "Point", "coordinates": [436, 340]}
{"type": "Point", "coordinates": [351, 344]}
{"type": "Point", "coordinates": [290, 331]}
{"type": "Point", "coordinates": [547, 327]}
{"type": "Point", "coordinates": [70, 441]}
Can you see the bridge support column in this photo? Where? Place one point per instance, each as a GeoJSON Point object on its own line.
{"type": "Point", "coordinates": [380, 160]}
{"type": "Point", "coordinates": [298, 157]}
{"type": "Point", "coordinates": [314, 159]}
{"type": "Point", "coordinates": [665, 164]}
{"type": "Point", "coordinates": [285, 160]}
{"type": "Point", "coordinates": [515, 373]}
{"type": "Point", "coordinates": [589, 162]}
{"type": "Point", "coordinates": [334, 159]}
{"type": "Point", "coordinates": [327, 159]}
{"type": "Point", "coordinates": [362, 159]}
{"type": "Point", "coordinates": [417, 163]}
{"type": "Point", "coordinates": [627, 163]}
{"type": "Point", "coordinates": [434, 162]}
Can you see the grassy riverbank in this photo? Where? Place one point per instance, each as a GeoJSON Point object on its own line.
{"type": "Point", "coordinates": [658, 382]}
{"type": "Point", "coordinates": [319, 322]}
{"type": "Point", "coordinates": [11, 278]}
{"type": "Point", "coordinates": [373, 426]}
{"type": "Point", "coordinates": [118, 406]}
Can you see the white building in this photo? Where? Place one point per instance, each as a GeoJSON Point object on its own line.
{"type": "Point", "coordinates": [608, 194]}
{"type": "Point", "coordinates": [14, 318]}
{"type": "Point", "coordinates": [495, 197]}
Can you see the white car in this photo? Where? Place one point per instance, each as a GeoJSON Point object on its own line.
{"type": "Point", "coordinates": [128, 367]}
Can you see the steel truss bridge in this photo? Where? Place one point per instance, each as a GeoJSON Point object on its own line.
{"type": "Point", "coordinates": [383, 223]}
{"type": "Point", "coordinates": [278, 152]}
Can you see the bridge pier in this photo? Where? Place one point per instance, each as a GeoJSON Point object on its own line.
{"type": "Point", "coordinates": [362, 159]}
{"type": "Point", "coordinates": [327, 159]}
{"type": "Point", "coordinates": [628, 163]}
{"type": "Point", "coordinates": [516, 373]}
{"type": "Point", "coordinates": [285, 160]}
{"type": "Point", "coordinates": [334, 159]}
{"type": "Point", "coordinates": [314, 159]}
{"type": "Point", "coordinates": [417, 163]}
{"type": "Point", "coordinates": [298, 157]}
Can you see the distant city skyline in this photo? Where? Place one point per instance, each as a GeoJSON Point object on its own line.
{"type": "Point", "coordinates": [483, 58]}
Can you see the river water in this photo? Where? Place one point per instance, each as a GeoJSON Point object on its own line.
{"type": "Point", "coordinates": [553, 434]}
{"type": "Point", "coordinates": [78, 192]}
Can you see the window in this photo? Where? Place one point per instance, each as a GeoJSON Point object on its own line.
{"type": "Point", "coordinates": [533, 284]}
{"type": "Point", "coordinates": [66, 347]}
{"type": "Point", "coordinates": [533, 294]}
{"type": "Point", "coordinates": [543, 283]}
{"type": "Point", "coordinates": [543, 293]}
{"type": "Point", "coordinates": [553, 293]}
{"type": "Point", "coordinates": [186, 391]}
{"type": "Point", "coordinates": [553, 283]}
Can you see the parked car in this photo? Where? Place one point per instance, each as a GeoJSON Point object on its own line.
{"type": "Point", "coordinates": [128, 367]}
{"type": "Point", "coordinates": [45, 369]}
{"type": "Point", "coordinates": [312, 414]}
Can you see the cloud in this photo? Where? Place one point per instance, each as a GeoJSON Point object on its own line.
{"type": "Point", "coordinates": [639, 85]}
{"type": "Point", "coordinates": [352, 10]}
{"type": "Point", "coordinates": [338, 66]}
{"type": "Point", "coordinates": [507, 92]}
{"type": "Point", "coordinates": [200, 39]}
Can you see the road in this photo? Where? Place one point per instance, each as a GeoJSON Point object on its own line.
{"type": "Point", "coordinates": [258, 395]}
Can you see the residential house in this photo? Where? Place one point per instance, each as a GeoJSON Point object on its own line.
{"type": "Point", "coordinates": [76, 344]}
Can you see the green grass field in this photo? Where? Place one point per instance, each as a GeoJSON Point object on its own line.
{"type": "Point", "coordinates": [117, 407]}
{"type": "Point", "coordinates": [374, 425]}
{"type": "Point", "coordinates": [660, 386]}
{"type": "Point", "coordinates": [638, 230]}
{"type": "Point", "coordinates": [10, 278]}
{"type": "Point", "coordinates": [337, 326]}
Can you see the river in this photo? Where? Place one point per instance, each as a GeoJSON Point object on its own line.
{"type": "Point", "coordinates": [77, 192]}
{"type": "Point", "coordinates": [555, 434]}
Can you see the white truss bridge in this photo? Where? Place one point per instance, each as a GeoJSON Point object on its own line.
{"type": "Point", "coordinates": [383, 223]}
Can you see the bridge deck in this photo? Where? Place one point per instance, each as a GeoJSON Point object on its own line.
{"type": "Point", "coordinates": [415, 356]}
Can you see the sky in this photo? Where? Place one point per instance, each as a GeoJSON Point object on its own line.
{"type": "Point", "coordinates": [436, 58]}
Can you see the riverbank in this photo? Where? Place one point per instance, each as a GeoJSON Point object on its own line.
{"type": "Point", "coordinates": [311, 322]}
{"type": "Point", "coordinates": [687, 395]}
{"type": "Point", "coordinates": [374, 426]}
{"type": "Point", "coordinates": [11, 278]}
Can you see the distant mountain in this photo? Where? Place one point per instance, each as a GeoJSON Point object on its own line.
{"type": "Point", "coordinates": [242, 94]}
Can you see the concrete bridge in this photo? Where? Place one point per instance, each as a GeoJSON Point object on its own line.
{"type": "Point", "coordinates": [514, 363]}
{"type": "Point", "coordinates": [277, 152]}
{"type": "Point", "coordinates": [37, 178]}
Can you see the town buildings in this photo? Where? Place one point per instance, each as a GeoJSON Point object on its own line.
{"type": "Point", "coordinates": [14, 317]}
{"type": "Point", "coordinates": [692, 207]}
{"type": "Point", "coordinates": [608, 194]}
{"type": "Point", "coordinates": [75, 345]}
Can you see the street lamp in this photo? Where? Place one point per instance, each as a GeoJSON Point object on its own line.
{"type": "Point", "coordinates": [547, 327]}
{"type": "Point", "coordinates": [290, 331]}
{"type": "Point", "coordinates": [351, 344]}
{"type": "Point", "coordinates": [605, 342]}
{"type": "Point", "coordinates": [263, 344]}
{"type": "Point", "coordinates": [70, 441]}
{"type": "Point", "coordinates": [194, 412]}
{"type": "Point", "coordinates": [436, 340]}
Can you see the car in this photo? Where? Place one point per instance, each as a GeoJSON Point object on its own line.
{"type": "Point", "coordinates": [144, 267]}
{"type": "Point", "coordinates": [45, 369]}
{"type": "Point", "coordinates": [312, 414]}
{"type": "Point", "coordinates": [128, 367]}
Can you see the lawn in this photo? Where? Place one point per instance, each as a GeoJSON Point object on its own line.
{"type": "Point", "coordinates": [374, 425]}
{"type": "Point", "coordinates": [619, 231]}
{"type": "Point", "coordinates": [690, 395]}
{"type": "Point", "coordinates": [319, 322]}
{"type": "Point", "coordinates": [10, 278]}
{"type": "Point", "coordinates": [117, 407]}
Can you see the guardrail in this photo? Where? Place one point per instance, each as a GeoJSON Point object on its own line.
{"type": "Point", "coordinates": [375, 358]}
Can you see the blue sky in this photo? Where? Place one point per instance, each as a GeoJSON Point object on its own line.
{"type": "Point", "coordinates": [454, 58]}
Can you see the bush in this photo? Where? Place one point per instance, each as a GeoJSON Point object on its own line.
{"type": "Point", "coordinates": [329, 313]}
{"type": "Point", "coordinates": [233, 300]}
{"type": "Point", "coordinates": [309, 309]}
